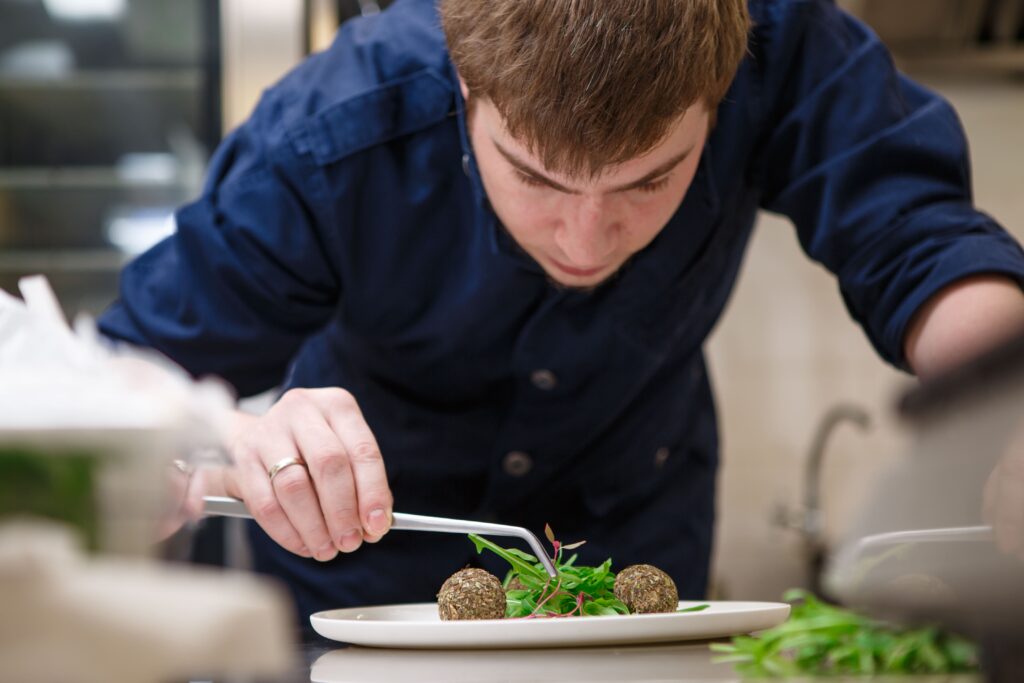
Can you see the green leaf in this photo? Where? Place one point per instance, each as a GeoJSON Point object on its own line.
{"type": "Point", "coordinates": [723, 647]}
{"type": "Point", "coordinates": [731, 659]}
{"type": "Point", "coordinates": [695, 608]}
{"type": "Point", "coordinates": [513, 559]}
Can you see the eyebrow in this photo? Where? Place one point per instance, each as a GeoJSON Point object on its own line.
{"type": "Point", "coordinates": [523, 167]}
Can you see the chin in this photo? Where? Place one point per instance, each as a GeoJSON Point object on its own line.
{"type": "Point", "coordinates": [580, 284]}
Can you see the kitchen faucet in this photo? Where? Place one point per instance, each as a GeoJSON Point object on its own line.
{"type": "Point", "coordinates": [808, 520]}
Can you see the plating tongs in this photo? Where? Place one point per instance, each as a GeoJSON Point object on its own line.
{"type": "Point", "coordinates": [233, 507]}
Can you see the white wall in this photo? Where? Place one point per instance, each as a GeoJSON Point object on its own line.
{"type": "Point", "coordinates": [786, 351]}
{"type": "Point", "coordinates": [262, 39]}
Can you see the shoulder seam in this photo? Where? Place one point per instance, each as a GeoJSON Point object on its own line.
{"type": "Point", "coordinates": [373, 117]}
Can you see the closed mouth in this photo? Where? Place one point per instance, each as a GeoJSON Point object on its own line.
{"type": "Point", "coordinates": [578, 272]}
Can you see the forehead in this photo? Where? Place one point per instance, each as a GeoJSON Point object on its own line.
{"type": "Point", "coordinates": [686, 132]}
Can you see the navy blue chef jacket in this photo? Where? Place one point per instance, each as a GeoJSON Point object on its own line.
{"type": "Point", "coordinates": [344, 239]}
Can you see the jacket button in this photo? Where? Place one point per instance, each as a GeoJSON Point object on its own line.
{"type": "Point", "coordinates": [544, 380]}
{"type": "Point", "coordinates": [465, 164]}
{"type": "Point", "coordinates": [660, 456]}
{"type": "Point", "coordinates": [517, 463]}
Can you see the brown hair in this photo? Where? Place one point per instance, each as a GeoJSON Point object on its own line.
{"type": "Point", "coordinates": [585, 84]}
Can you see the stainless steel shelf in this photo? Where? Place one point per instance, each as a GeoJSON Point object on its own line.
{"type": "Point", "coordinates": [61, 260]}
{"type": "Point", "coordinates": [109, 79]}
{"type": "Point", "coordinates": [79, 178]}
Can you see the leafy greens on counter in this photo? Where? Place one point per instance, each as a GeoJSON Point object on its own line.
{"type": "Point", "coordinates": [821, 639]}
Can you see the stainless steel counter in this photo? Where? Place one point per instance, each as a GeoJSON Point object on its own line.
{"type": "Point", "coordinates": [683, 663]}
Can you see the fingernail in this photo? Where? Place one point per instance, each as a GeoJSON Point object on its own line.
{"type": "Point", "coordinates": [350, 540]}
{"type": "Point", "coordinates": [377, 521]}
{"type": "Point", "coordinates": [304, 551]}
{"type": "Point", "coordinates": [326, 552]}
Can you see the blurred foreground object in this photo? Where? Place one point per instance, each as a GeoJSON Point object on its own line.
{"type": "Point", "coordinates": [69, 617]}
{"type": "Point", "coordinates": [89, 435]}
{"type": "Point", "coordinates": [97, 450]}
{"type": "Point", "coordinates": [940, 538]}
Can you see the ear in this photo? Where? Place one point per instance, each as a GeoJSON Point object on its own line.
{"type": "Point", "coordinates": [463, 88]}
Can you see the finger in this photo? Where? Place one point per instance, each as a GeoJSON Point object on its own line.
{"type": "Point", "coordinates": [990, 497]}
{"type": "Point", "coordinates": [197, 487]}
{"type": "Point", "coordinates": [1009, 513]}
{"type": "Point", "coordinates": [294, 490]}
{"type": "Point", "coordinates": [331, 471]}
{"type": "Point", "coordinates": [371, 482]}
{"type": "Point", "coordinates": [247, 479]}
{"type": "Point", "coordinates": [173, 515]}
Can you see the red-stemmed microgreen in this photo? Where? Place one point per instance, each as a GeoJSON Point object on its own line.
{"type": "Point", "coordinates": [577, 591]}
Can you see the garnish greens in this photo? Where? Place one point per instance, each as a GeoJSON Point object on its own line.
{"type": "Point", "coordinates": [54, 485]}
{"type": "Point", "coordinates": [821, 639]}
{"type": "Point", "coordinates": [578, 590]}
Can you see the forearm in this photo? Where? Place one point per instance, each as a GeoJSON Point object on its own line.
{"type": "Point", "coordinates": [963, 320]}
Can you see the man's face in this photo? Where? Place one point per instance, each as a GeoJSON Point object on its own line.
{"type": "Point", "coordinates": [581, 231]}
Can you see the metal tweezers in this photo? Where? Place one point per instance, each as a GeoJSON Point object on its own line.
{"type": "Point", "coordinates": [233, 507]}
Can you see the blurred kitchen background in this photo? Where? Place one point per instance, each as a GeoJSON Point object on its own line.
{"type": "Point", "coordinates": [109, 110]}
{"type": "Point", "coordinates": [796, 377]}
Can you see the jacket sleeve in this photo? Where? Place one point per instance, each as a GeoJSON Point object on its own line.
{"type": "Point", "coordinates": [871, 167]}
{"type": "Point", "coordinates": [247, 276]}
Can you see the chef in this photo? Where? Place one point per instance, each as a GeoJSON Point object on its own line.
{"type": "Point", "coordinates": [479, 246]}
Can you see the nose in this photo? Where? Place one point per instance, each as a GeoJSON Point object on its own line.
{"type": "Point", "coordinates": [589, 234]}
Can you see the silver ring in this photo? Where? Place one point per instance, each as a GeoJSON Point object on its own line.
{"type": "Point", "coordinates": [281, 464]}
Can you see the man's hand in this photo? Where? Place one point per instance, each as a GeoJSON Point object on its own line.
{"type": "Point", "coordinates": [1004, 499]}
{"type": "Point", "coordinates": [963, 320]}
{"type": "Point", "coordinates": [183, 498]}
{"type": "Point", "coordinates": [336, 500]}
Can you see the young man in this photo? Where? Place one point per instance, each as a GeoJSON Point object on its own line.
{"type": "Point", "coordinates": [482, 260]}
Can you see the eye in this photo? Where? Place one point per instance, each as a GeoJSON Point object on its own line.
{"type": "Point", "coordinates": [530, 180]}
{"type": "Point", "coordinates": [654, 185]}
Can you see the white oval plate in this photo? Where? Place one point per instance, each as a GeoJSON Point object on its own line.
{"type": "Point", "coordinates": [418, 626]}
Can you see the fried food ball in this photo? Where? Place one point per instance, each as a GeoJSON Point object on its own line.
{"type": "Point", "coordinates": [516, 585]}
{"type": "Point", "coordinates": [645, 589]}
{"type": "Point", "coordinates": [471, 594]}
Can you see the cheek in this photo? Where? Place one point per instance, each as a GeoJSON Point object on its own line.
{"type": "Point", "coordinates": [526, 218]}
{"type": "Point", "coordinates": [526, 213]}
{"type": "Point", "coordinates": [647, 215]}
{"type": "Point", "coordinates": [642, 220]}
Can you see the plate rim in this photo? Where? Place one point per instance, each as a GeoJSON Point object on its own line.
{"type": "Point", "coordinates": [575, 632]}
